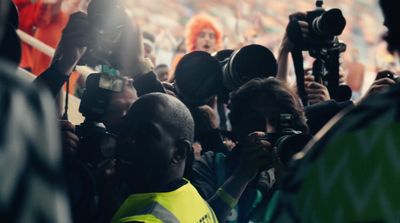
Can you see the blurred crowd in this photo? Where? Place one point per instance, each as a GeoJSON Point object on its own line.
{"type": "Point", "coordinates": [244, 22]}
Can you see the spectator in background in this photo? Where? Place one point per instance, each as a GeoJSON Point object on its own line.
{"type": "Point", "coordinates": [162, 71]}
{"type": "Point", "coordinates": [355, 74]}
{"type": "Point", "coordinates": [51, 23]}
{"type": "Point", "coordinates": [149, 46]}
{"type": "Point", "coordinates": [202, 33]}
{"type": "Point", "coordinates": [45, 22]}
{"type": "Point", "coordinates": [28, 21]}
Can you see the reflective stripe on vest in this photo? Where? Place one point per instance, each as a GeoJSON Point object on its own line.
{"type": "Point", "coordinates": [181, 205]}
{"type": "Point", "coordinates": [155, 209]}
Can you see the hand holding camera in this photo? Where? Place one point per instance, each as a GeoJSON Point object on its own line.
{"type": "Point", "coordinates": [316, 92]}
{"type": "Point", "coordinates": [322, 42]}
{"type": "Point", "coordinates": [70, 141]}
{"type": "Point", "coordinates": [287, 45]}
{"type": "Point", "coordinates": [383, 81]}
{"type": "Point", "coordinates": [257, 156]}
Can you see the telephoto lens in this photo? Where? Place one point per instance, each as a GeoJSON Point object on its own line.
{"type": "Point", "coordinates": [249, 62]}
{"type": "Point", "coordinates": [198, 77]}
{"type": "Point", "coordinates": [330, 23]}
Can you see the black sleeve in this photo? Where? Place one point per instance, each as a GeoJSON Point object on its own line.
{"type": "Point", "coordinates": [148, 83]}
{"type": "Point", "coordinates": [52, 79]}
{"type": "Point", "coordinates": [319, 114]}
{"type": "Point", "coordinates": [203, 177]}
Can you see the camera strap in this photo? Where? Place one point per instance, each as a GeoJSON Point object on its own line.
{"type": "Point", "coordinates": [297, 57]}
{"type": "Point", "coordinates": [65, 115]}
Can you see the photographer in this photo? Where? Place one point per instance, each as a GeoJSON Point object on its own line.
{"type": "Point", "coordinates": [91, 183]}
{"type": "Point", "coordinates": [73, 46]}
{"type": "Point", "coordinates": [321, 106]}
{"type": "Point", "coordinates": [235, 183]}
{"type": "Point", "coordinates": [363, 143]}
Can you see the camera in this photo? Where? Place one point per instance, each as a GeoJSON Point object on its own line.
{"type": "Point", "coordinates": [97, 145]}
{"type": "Point", "coordinates": [249, 62]}
{"type": "Point", "coordinates": [198, 77]}
{"type": "Point", "coordinates": [324, 27]}
{"type": "Point", "coordinates": [221, 73]}
{"type": "Point", "coordinates": [323, 44]}
{"type": "Point", "coordinates": [387, 74]}
{"type": "Point", "coordinates": [107, 21]}
{"type": "Point", "coordinates": [286, 140]}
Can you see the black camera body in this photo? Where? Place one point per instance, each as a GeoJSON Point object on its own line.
{"type": "Point", "coordinates": [240, 66]}
{"type": "Point", "coordinates": [286, 140]}
{"type": "Point", "coordinates": [388, 74]}
{"type": "Point", "coordinates": [97, 145]}
{"type": "Point", "coordinates": [323, 44]}
{"type": "Point", "coordinates": [324, 27]}
{"type": "Point", "coordinates": [249, 62]}
{"type": "Point", "coordinates": [221, 73]}
{"type": "Point", "coordinates": [107, 21]}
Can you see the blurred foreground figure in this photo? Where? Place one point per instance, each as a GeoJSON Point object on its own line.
{"type": "Point", "coordinates": [30, 154]}
{"type": "Point", "coordinates": [350, 172]}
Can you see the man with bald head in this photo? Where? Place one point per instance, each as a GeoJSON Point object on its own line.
{"type": "Point", "coordinates": [156, 141]}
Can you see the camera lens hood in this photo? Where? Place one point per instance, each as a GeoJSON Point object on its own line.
{"type": "Point", "coordinates": [198, 77]}
{"type": "Point", "coordinates": [249, 62]}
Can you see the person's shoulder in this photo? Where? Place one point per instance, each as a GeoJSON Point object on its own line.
{"type": "Point", "coordinates": [206, 159]}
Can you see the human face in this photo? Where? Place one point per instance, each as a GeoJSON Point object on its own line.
{"type": "Point", "coordinates": [206, 40]}
{"type": "Point", "coordinates": [162, 73]}
{"type": "Point", "coordinates": [147, 158]}
{"type": "Point", "coordinates": [120, 104]}
{"type": "Point", "coordinates": [256, 118]}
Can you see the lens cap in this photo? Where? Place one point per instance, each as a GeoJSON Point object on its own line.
{"type": "Point", "coordinates": [198, 77]}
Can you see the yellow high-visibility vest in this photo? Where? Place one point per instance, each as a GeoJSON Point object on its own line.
{"type": "Point", "coordinates": [184, 205]}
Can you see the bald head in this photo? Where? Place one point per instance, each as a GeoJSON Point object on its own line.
{"type": "Point", "coordinates": [165, 110]}
{"type": "Point", "coordinates": [158, 132]}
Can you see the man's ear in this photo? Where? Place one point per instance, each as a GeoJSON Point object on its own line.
{"type": "Point", "coordinates": [182, 151]}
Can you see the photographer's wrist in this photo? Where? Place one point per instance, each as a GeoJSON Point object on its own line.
{"type": "Point", "coordinates": [285, 48]}
{"type": "Point", "coordinates": [65, 62]}
{"type": "Point", "coordinates": [227, 198]}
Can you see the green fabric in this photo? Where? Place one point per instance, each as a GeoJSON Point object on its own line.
{"type": "Point", "coordinates": [350, 172]}
{"type": "Point", "coordinates": [355, 179]}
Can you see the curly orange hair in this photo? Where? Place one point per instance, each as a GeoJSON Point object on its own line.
{"type": "Point", "coordinates": [195, 25]}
